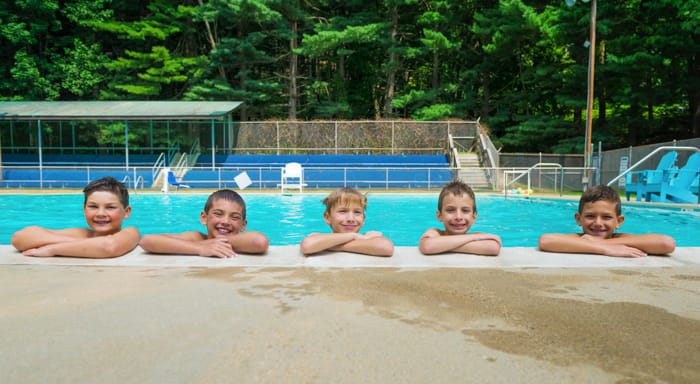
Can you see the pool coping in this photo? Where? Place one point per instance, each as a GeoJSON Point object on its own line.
{"type": "Point", "coordinates": [403, 258]}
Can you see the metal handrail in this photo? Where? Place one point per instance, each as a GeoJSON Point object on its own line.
{"type": "Point", "coordinates": [160, 163]}
{"type": "Point", "coordinates": [645, 158]}
{"type": "Point", "coordinates": [452, 150]}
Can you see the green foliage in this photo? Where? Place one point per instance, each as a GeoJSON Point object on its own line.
{"type": "Point", "coordinates": [434, 112]}
{"type": "Point", "coordinates": [520, 66]}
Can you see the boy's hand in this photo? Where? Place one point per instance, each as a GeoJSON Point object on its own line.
{"type": "Point", "coordinates": [39, 252]}
{"type": "Point", "coordinates": [623, 251]}
{"type": "Point", "coordinates": [619, 250]}
{"type": "Point", "coordinates": [370, 235]}
{"type": "Point", "coordinates": [217, 247]}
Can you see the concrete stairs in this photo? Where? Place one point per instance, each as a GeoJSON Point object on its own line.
{"type": "Point", "coordinates": [471, 171]}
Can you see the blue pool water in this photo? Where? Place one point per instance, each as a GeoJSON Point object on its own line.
{"type": "Point", "coordinates": [287, 219]}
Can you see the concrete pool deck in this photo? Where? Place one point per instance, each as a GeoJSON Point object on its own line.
{"type": "Point", "coordinates": [524, 316]}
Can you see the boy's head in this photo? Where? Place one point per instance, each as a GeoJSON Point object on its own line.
{"type": "Point", "coordinates": [107, 184]}
{"type": "Point", "coordinates": [345, 210]}
{"type": "Point", "coordinates": [106, 205]}
{"type": "Point", "coordinates": [456, 207]}
{"type": "Point", "coordinates": [599, 212]}
{"type": "Point", "coordinates": [456, 188]}
{"type": "Point", "coordinates": [224, 214]}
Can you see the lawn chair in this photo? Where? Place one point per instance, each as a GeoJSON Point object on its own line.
{"type": "Point", "coordinates": [683, 187]}
{"type": "Point", "coordinates": [292, 177]}
{"type": "Point", "coordinates": [641, 183]}
{"type": "Point", "coordinates": [172, 180]}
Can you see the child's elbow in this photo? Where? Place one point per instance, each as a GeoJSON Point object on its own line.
{"type": "Point", "coordinates": [306, 247]}
{"type": "Point", "coordinates": [146, 243]}
{"type": "Point", "coordinates": [260, 244]}
{"type": "Point", "coordinates": [493, 249]}
{"type": "Point", "coordinates": [425, 248]}
{"type": "Point", "coordinates": [386, 249]}
{"type": "Point", "coordinates": [111, 249]}
{"type": "Point", "coordinates": [19, 238]}
{"type": "Point", "coordinates": [668, 244]}
{"type": "Point", "coordinates": [544, 243]}
{"type": "Point", "coordinates": [115, 247]}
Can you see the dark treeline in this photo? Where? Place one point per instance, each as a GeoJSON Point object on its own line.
{"type": "Point", "coordinates": [521, 66]}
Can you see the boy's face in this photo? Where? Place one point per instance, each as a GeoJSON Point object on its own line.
{"type": "Point", "coordinates": [224, 218]}
{"type": "Point", "coordinates": [104, 213]}
{"type": "Point", "coordinates": [345, 218]}
{"type": "Point", "coordinates": [457, 214]}
{"type": "Point", "coordinates": [599, 219]}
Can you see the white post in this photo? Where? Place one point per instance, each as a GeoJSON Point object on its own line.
{"type": "Point", "coordinates": [165, 180]}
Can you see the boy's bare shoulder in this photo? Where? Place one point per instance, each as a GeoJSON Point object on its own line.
{"type": "Point", "coordinates": [432, 232]}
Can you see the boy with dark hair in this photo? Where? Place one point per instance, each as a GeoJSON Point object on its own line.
{"type": "Point", "coordinates": [457, 211]}
{"type": "Point", "coordinates": [599, 215]}
{"type": "Point", "coordinates": [106, 206]}
{"type": "Point", "coordinates": [224, 217]}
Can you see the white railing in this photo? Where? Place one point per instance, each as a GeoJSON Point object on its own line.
{"type": "Point", "coordinates": [158, 165]}
{"type": "Point", "coordinates": [181, 166]}
{"type": "Point", "coordinates": [267, 177]}
{"type": "Point", "coordinates": [454, 153]}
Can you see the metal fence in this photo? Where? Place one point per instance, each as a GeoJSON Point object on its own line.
{"type": "Point", "coordinates": [548, 179]}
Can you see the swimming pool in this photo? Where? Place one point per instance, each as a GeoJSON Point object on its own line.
{"type": "Point", "coordinates": [287, 219]}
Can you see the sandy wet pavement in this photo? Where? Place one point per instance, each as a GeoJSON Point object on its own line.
{"type": "Point", "coordinates": [304, 325]}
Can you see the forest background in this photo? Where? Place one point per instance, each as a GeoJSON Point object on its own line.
{"type": "Point", "coordinates": [520, 66]}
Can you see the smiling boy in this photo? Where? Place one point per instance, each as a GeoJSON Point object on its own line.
{"type": "Point", "coordinates": [599, 215]}
{"type": "Point", "coordinates": [345, 214]}
{"type": "Point", "coordinates": [224, 217]}
{"type": "Point", "coordinates": [457, 212]}
{"type": "Point", "coordinates": [106, 206]}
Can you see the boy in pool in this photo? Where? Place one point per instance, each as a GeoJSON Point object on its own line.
{"type": "Point", "coordinates": [106, 206]}
{"type": "Point", "coordinates": [457, 211]}
{"type": "Point", "coordinates": [599, 215]}
{"type": "Point", "coordinates": [224, 216]}
{"type": "Point", "coordinates": [345, 214]}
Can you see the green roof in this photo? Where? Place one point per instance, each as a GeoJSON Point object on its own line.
{"type": "Point", "coordinates": [116, 110]}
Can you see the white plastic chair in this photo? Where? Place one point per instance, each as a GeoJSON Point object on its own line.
{"type": "Point", "coordinates": [292, 177]}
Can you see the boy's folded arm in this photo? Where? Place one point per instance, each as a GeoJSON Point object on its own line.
{"type": "Point", "coordinates": [573, 243]}
{"type": "Point", "coordinates": [317, 242]}
{"type": "Point", "coordinates": [99, 247]}
{"type": "Point", "coordinates": [187, 243]}
{"type": "Point", "coordinates": [568, 243]}
{"type": "Point", "coordinates": [249, 242]}
{"type": "Point", "coordinates": [35, 236]}
{"type": "Point", "coordinates": [482, 244]}
{"type": "Point", "coordinates": [376, 246]}
{"type": "Point", "coordinates": [477, 243]}
{"type": "Point", "coordinates": [651, 243]}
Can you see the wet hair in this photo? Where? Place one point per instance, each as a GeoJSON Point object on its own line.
{"type": "Point", "coordinates": [345, 196]}
{"type": "Point", "coordinates": [225, 194]}
{"type": "Point", "coordinates": [456, 188]}
{"type": "Point", "coordinates": [598, 193]}
{"type": "Point", "coordinates": [108, 184]}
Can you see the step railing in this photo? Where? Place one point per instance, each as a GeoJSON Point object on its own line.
{"type": "Point", "coordinates": [157, 166]}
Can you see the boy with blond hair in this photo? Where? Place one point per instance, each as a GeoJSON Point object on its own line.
{"type": "Point", "coordinates": [345, 214]}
